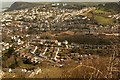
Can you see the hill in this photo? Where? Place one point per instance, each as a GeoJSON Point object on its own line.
{"type": "Point", "coordinates": [112, 6]}
{"type": "Point", "coordinates": [70, 5]}
{"type": "Point", "coordinates": [21, 5]}
{"type": "Point", "coordinates": [107, 6]}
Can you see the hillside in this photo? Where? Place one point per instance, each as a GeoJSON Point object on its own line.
{"type": "Point", "coordinates": [21, 5]}
{"type": "Point", "coordinates": [70, 5]}
{"type": "Point", "coordinates": [113, 6]}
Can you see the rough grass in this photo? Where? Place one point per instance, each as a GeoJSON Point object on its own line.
{"type": "Point", "coordinates": [101, 67]}
{"type": "Point", "coordinates": [100, 12]}
{"type": "Point", "coordinates": [103, 20]}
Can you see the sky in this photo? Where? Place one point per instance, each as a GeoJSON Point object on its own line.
{"type": "Point", "coordinates": [61, 0]}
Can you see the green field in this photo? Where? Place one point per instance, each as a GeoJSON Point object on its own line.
{"type": "Point", "coordinates": [100, 12]}
{"type": "Point", "coordinates": [103, 20]}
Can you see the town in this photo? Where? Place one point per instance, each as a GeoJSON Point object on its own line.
{"type": "Point", "coordinates": [48, 35]}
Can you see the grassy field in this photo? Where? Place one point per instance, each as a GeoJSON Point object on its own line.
{"type": "Point", "coordinates": [103, 20]}
{"type": "Point", "coordinates": [100, 12]}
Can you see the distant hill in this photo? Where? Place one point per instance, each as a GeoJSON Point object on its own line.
{"type": "Point", "coordinates": [21, 5]}
{"type": "Point", "coordinates": [112, 6]}
{"type": "Point", "coordinates": [70, 5]}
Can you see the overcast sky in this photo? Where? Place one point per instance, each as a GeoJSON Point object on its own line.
{"type": "Point", "coordinates": [61, 0]}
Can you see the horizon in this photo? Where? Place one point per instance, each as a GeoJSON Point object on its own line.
{"type": "Point", "coordinates": [59, 1]}
{"type": "Point", "coordinates": [6, 3]}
